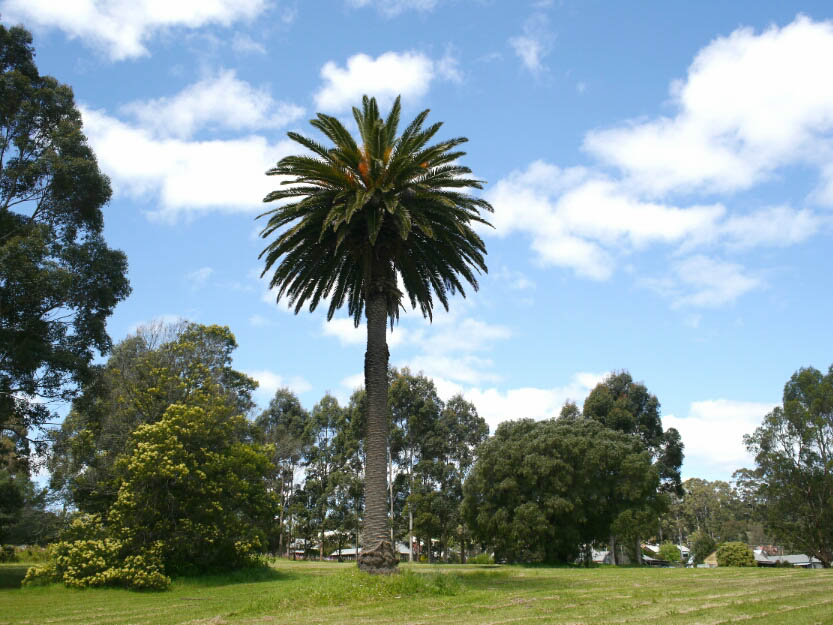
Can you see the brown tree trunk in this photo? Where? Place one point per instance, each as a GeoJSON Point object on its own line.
{"type": "Point", "coordinates": [613, 559]}
{"type": "Point", "coordinates": [377, 555]}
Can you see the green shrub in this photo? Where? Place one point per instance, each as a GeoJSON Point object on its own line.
{"type": "Point", "coordinates": [669, 552]}
{"type": "Point", "coordinates": [481, 558]}
{"type": "Point", "coordinates": [7, 554]}
{"type": "Point", "coordinates": [735, 554]}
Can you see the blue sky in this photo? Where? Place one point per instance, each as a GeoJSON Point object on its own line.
{"type": "Point", "coordinates": [660, 174]}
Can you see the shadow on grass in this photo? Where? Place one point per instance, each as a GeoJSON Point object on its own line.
{"type": "Point", "coordinates": [242, 576]}
{"type": "Point", "coordinates": [12, 574]}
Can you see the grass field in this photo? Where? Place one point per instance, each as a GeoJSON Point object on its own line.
{"type": "Point", "coordinates": [312, 593]}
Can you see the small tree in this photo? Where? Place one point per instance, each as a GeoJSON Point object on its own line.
{"type": "Point", "coordinates": [735, 554]}
{"type": "Point", "coordinates": [669, 552]}
{"type": "Point", "coordinates": [701, 546]}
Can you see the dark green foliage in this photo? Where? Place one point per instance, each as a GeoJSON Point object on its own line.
{"type": "Point", "coordinates": [58, 279]}
{"type": "Point", "coordinates": [540, 489]}
{"type": "Point", "coordinates": [793, 481]}
{"type": "Point", "coordinates": [626, 406]}
{"type": "Point", "coordinates": [702, 546]}
{"type": "Point", "coordinates": [735, 554]}
{"type": "Point", "coordinates": [363, 213]}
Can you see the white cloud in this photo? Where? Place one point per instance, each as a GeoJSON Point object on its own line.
{"type": "Point", "coordinates": [221, 101]}
{"type": "Point", "coordinates": [184, 176]}
{"type": "Point", "coordinates": [199, 277]}
{"type": "Point", "coordinates": [713, 434]}
{"type": "Point", "coordinates": [270, 382]}
{"type": "Point", "coordinates": [582, 221]}
{"type": "Point", "coordinates": [497, 406]}
{"type": "Point", "coordinates": [750, 104]}
{"type": "Point", "coordinates": [353, 382]}
{"type": "Point", "coordinates": [408, 74]}
{"type": "Point", "coordinates": [122, 27]}
{"type": "Point", "coordinates": [772, 226]}
{"type": "Point", "coordinates": [534, 44]}
{"type": "Point", "coordinates": [392, 8]}
{"type": "Point", "coordinates": [711, 283]}
{"type": "Point", "coordinates": [348, 334]}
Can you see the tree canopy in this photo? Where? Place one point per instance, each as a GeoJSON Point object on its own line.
{"type": "Point", "coordinates": [793, 478]}
{"type": "Point", "coordinates": [59, 281]}
{"type": "Point", "coordinates": [540, 490]}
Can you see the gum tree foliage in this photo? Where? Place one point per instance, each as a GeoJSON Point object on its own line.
{"type": "Point", "coordinates": [58, 279]}
{"type": "Point", "coordinates": [539, 490]}
{"type": "Point", "coordinates": [283, 428]}
{"type": "Point", "coordinates": [793, 478]}
{"type": "Point", "coordinates": [715, 509]}
{"type": "Point", "coordinates": [321, 463]}
{"type": "Point", "coordinates": [149, 371]}
{"type": "Point", "coordinates": [443, 468]}
{"type": "Point", "coordinates": [415, 410]}
{"type": "Point", "coordinates": [361, 219]}
{"type": "Point", "coordinates": [626, 406]}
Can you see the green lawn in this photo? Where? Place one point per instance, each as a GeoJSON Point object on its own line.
{"type": "Point", "coordinates": [311, 593]}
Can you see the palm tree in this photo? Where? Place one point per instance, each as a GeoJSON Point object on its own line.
{"type": "Point", "coordinates": [358, 222]}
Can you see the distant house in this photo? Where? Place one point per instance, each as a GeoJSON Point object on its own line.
{"type": "Point", "coordinates": [602, 557]}
{"type": "Point", "coordinates": [349, 553]}
{"type": "Point", "coordinates": [795, 559]}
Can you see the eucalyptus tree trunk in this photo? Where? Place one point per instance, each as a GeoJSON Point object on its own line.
{"type": "Point", "coordinates": [377, 555]}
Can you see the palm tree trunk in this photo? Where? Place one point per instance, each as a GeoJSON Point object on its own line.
{"type": "Point", "coordinates": [377, 555]}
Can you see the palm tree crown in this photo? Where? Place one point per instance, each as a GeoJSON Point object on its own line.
{"type": "Point", "coordinates": [360, 214]}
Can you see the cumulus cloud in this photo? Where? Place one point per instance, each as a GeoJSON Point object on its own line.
{"type": "Point", "coordinates": [703, 282]}
{"type": "Point", "coordinates": [408, 74]}
{"type": "Point", "coordinates": [184, 176]}
{"type": "Point", "coordinates": [122, 28]}
{"type": "Point", "coordinates": [580, 220]}
{"type": "Point", "coordinates": [221, 101]}
{"type": "Point", "coordinates": [347, 333]}
{"type": "Point", "coordinates": [750, 104]}
{"type": "Point", "coordinates": [713, 435]}
{"type": "Point", "coordinates": [269, 382]}
{"type": "Point", "coordinates": [497, 406]}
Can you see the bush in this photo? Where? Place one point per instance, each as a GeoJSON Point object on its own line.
{"type": "Point", "coordinates": [669, 552]}
{"type": "Point", "coordinates": [481, 558]}
{"type": "Point", "coordinates": [88, 556]}
{"type": "Point", "coordinates": [7, 554]}
{"type": "Point", "coordinates": [735, 554]}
